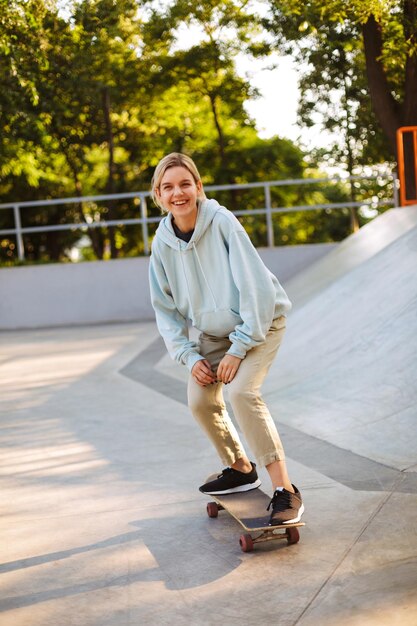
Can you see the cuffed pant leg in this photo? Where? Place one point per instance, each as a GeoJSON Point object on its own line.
{"type": "Point", "coordinates": [249, 408]}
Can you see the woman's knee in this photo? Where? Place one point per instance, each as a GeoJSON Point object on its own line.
{"type": "Point", "coordinates": [202, 401]}
{"type": "Point", "coordinates": [242, 395]}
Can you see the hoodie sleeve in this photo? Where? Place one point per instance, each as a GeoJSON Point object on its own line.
{"type": "Point", "coordinates": [171, 324]}
{"type": "Point", "coordinates": [257, 294]}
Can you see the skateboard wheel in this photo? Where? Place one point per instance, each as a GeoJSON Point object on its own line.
{"type": "Point", "coordinates": [246, 543]}
{"type": "Point", "coordinates": [293, 536]}
{"type": "Point", "coordinates": [212, 509]}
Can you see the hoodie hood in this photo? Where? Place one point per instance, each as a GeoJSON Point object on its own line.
{"type": "Point", "coordinates": [206, 211]}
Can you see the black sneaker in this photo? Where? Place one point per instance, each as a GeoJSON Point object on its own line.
{"type": "Point", "coordinates": [232, 481]}
{"type": "Point", "coordinates": [287, 507]}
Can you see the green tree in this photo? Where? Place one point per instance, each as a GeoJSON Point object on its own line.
{"type": "Point", "coordinates": [110, 92]}
{"type": "Point", "coordinates": [22, 58]}
{"type": "Point", "coordinates": [96, 67]}
{"type": "Point", "coordinates": [386, 56]}
{"type": "Point", "coordinates": [334, 85]}
{"type": "Point", "coordinates": [226, 28]}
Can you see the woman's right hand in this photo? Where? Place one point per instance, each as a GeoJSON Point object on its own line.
{"type": "Point", "coordinates": [202, 373]}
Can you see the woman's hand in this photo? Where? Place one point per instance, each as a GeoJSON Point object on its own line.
{"type": "Point", "coordinates": [228, 367]}
{"type": "Point", "coordinates": [202, 373]}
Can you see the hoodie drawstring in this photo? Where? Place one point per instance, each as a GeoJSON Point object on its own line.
{"type": "Point", "coordinates": [204, 276]}
{"type": "Point", "coordinates": [186, 279]}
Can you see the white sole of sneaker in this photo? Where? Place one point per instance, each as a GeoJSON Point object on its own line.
{"type": "Point", "coordinates": [296, 519]}
{"type": "Point", "coordinates": [240, 489]}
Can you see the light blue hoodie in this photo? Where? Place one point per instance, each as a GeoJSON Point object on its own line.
{"type": "Point", "coordinates": [217, 280]}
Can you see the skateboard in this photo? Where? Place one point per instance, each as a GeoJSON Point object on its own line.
{"type": "Point", "coordinates": [247, 508]}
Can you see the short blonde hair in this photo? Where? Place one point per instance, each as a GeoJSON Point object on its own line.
{"type": "Point", "coordinates": [175, 159]}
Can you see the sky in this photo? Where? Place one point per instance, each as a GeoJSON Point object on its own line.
{"type": "Point", "coordinates": [275, 111]}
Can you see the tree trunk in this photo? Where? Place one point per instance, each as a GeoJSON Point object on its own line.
{"type": "Point", "coordinates": [390, 114]}
{"type": "Point", "coordinates": [96, 239]}
{"type": "Point", "coordinates": [221, 142]}
{"type": "Point", "coordinates": [234, 194]}
{"type": "Point", "coordinates": [53, 245]}
{"type": "Point", "coordinates": [354, 219]}
{"type": "Point", "coordinates": [111, 177]}
{"type": "Point", "coordinates": [385, 107]}
{"type": "Point", "coordinates": [409, 108]}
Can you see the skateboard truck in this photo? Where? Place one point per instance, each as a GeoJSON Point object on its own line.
{"type": "Point", "coordinates": [245, 507]}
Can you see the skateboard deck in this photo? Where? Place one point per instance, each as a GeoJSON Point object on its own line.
{"type": "Point", "coordinates": [249, 509]}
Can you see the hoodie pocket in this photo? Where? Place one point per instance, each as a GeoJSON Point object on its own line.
{"type": "Point", "coordinates": [217, 323]}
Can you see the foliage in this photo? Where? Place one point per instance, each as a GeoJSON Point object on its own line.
{"type": "Point", "coordinates": [361, 60]}
{"type": "Point", "coordinates": [92, 97]}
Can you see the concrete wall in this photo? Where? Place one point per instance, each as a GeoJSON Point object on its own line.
{"type": "Point", "coordinates": [106, 291]}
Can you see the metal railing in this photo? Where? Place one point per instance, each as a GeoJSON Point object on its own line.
{"type": "Point", "coordinates": [144, 220]}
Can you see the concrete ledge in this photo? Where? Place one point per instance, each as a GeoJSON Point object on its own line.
{"type": "Point", "coordinates": [106, 291]}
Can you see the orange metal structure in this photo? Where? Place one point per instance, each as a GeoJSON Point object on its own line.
{"type": "Point", "coordinates": [401, 164]}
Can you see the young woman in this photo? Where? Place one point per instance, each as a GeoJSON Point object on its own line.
{"type": "Point", "coordinates": [204, 269]}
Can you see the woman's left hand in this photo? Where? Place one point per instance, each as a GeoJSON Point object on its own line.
{"type": "Point", "coordinates": [228, 367]}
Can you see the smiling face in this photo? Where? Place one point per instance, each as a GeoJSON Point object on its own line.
{"type": "Point", "coordinates": [178, 193]}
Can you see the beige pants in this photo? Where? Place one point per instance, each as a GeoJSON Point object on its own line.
{"type": "Point", "coordinates": [252, 414]}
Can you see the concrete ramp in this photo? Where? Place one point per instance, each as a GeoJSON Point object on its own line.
{"type": "Point", "coordinates": [100, 461]}
{"type": "Point", "coordinates": [347, 372]}
{"type": "Point", "coordinates": [352, 252]}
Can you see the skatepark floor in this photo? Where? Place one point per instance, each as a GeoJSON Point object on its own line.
{"type": "Point", "coordinates": [102, 523]}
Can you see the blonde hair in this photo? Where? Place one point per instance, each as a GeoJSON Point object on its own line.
{"type": "Point", "coordinates": [175, 159]}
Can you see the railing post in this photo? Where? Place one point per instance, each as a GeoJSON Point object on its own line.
{"type": "Point", "coordinates": [404, 200]}
{"type": "Point", "coordinates": [145, 232]}
{"type": "Point", "coordinates": [19, 237]}
{"type": "Point", "coordinates": [269, 224]}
